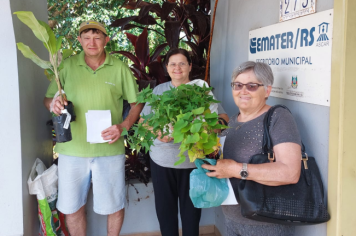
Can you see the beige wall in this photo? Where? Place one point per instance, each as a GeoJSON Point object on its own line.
{"type": "Point", "coordinates": [342, 160]}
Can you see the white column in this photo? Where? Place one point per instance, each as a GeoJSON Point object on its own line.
{"type": "Point", "coordinates": [23, 132]}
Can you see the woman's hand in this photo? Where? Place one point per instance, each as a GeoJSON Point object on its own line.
{"type": "Point", "coordinates": [165, 139]}
{"type": "Point", "coordinates": [224, 117]}
{"type": "Point", "coordinates": [223, 169]}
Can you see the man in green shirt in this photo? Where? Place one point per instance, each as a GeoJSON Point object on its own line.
{"type": "Point", "coordinates": [94, 80]}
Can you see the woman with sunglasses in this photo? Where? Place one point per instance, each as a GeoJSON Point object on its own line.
{"type": "Point", "coordinates": [170, 182]}
{"type": "Point", "coordinates": [251, 86]}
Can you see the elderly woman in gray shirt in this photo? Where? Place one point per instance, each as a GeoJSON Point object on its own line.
{"type": "Point", "coordinates": [251, 86]}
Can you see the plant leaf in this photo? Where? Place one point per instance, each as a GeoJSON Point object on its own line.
{"type": "Point", "coordinates": [49, 74]}
{"type": "Point", "coordinates": [129, 26]}
{"type": "Point", "coordinates": [142, 49]}
{"type": "Point", "coordinates": [211, 143]}
{"type": "Point", "coordinates": [123, 21]}
{"type": "Point", "coordinates": [28, 53]}
{"type": "Point", "coordinates": [132, 38]}
{"type": "Point", "coordinates": [156, 70]}
{"type": "Point", "coordinates": [178, 137]}
{"type": "Point", "coordinates": [146, 20]}
{"type": "Point", "coordinates": [195, 127]}
{"type": "Point", "coordinates": [198, 111]}
{"type": "Point", "coordinates": [129, 55]}
{"type": "Point", "coordinates": [193, 138]}
{"type": "Point", "coordinates": [193, 46]}
{"type": "Point", "coordinates": [180, 161]}
{"type": "Point", "coordinates": [199, 22]}
{"type": "Point", "coordinates": [167, 8]}
{"type": "Point", "coordinates": [66, 53]}
{"type": "Point", "coordinates": [59, 42]}
{"type": "Point", "coordinates": [124, 132]}
{"type": "Point", "coordinates": [158, 51]}
{"type": "Point", "coordinates": [52, 42]}
{"type": "Point", "coordinates": [145, 9]}
{"type": "Point", "coordinates": [204, 137]}
{"type": "Point", "coordinates": [180, 125]}
{"type": "Point", "coordinates": [133, 5]}
{"type": "Point", "coordinates": [172, 31]}
{"type": "Point", "coordinates": [30, 20]}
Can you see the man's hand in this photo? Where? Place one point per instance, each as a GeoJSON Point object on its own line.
{"type": "Point", "coordinates": [55, 104]}
{"type": "Point", "coordinates": [112, 133]}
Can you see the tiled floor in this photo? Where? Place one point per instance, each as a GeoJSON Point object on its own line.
{"type": "Point", "coordinates": [209, 230]}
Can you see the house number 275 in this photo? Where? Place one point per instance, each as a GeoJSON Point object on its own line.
{"type": "Point", "coordinates": [290, 8]}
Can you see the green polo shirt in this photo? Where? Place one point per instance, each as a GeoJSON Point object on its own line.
{"type": "Point", "coordinates": [102, 89]}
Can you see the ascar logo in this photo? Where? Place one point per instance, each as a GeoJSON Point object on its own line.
{"type": "Point", "coordinates": [323, 27]}
{"type": "Point", "coordinates": [301, 38]}
{"type": "Point", "coordinates": [323, 39]}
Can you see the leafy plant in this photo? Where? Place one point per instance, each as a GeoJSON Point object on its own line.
{"type": "Point", "coordinates": [186, 108]}
{"type": "Point", "coordinates": [44, 33]}
{"type": "Point", "coordinates": [176, 17]}
{"type": "Point", "coordinates": [64, 17]}
{"type": "Point", "coordinates": [144, 60]}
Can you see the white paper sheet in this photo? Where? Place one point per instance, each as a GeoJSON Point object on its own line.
{"type": "Point", "coordinates": [97, 121]}
{"type": "Point", "coordinates": [222, 142]}
{"type": "Point", "coordinates": [231, 198]}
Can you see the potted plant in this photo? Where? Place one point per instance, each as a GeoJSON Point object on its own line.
{"type": "Point", "coordinates": [186, 109]}
{"type": "Point", "coordinates": [52, 67]}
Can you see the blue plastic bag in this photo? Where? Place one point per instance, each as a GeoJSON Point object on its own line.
{"type": "Point", "coordinates": [206, 191]}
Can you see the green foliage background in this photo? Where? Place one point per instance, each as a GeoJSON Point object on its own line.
{"type": "Point", "coordinates": [65, 16]}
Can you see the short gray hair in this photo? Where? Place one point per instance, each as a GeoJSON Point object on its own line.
{"type": "Point", "coordinates": [262, 71]}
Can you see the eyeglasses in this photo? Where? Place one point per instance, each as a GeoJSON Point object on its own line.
{"type": "Point", "coordinates": [180, 64]}
{"type": "Point", "coordinates": [252, 87]}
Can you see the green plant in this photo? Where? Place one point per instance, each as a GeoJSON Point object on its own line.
{"type": "Point", "coordinates": [186, 109]}
{"type": "Point", "coordinates": [178, 19]}
{"type": "Point", "coordinates": [146, 68]}
{"type": "Point", "coordinates": [44, 33]}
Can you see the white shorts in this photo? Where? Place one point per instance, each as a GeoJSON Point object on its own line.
{"type": "Point", "coordinates": [75, 175]}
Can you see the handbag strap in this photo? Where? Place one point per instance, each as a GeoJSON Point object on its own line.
{"type": "Point", "coordinates": [267, 145]}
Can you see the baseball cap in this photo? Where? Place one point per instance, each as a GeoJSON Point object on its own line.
{"type": "Point", "coordinates": [91, 24]}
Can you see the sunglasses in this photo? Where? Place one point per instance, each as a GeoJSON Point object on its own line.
{"type": "Point", "coordinates": [250, 86]}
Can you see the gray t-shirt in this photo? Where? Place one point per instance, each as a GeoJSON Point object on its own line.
{"type": "Point", "coordinates": [243, 140]}
{"type": "Point", "coordinates": [166, 154]}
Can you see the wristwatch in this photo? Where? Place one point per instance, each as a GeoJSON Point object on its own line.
{"type": "Point", "coordinates": [244, 172]}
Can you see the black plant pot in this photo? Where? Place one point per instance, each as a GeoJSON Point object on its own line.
{"type": "Point", "coordinates": [63, 135]}
{"type": "Point", "coordinates": [70, 109]}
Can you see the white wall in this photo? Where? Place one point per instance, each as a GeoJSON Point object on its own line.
{"type": "Point", "coordinates": [24, 135]}
{"type": "Point", "coordinates": [234, 20]}
{"type": "Point", "coordinates": [10, 140]}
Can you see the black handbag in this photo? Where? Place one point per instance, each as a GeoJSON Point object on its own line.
{"type": "Point", "coordinates": [294, 204]}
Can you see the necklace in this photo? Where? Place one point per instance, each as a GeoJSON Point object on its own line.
{"type": "Point", "coordinates": [225, 132]}
{"type": "Point", "coordinates": [239, 126]}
